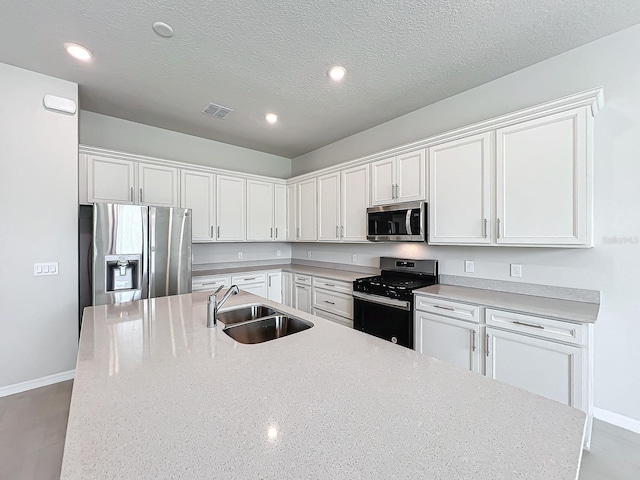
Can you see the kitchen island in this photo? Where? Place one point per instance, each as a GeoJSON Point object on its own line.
{"type": "Point", "coordinates": [157, 395]}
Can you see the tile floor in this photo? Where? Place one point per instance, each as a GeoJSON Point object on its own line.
{"type": "Point", "coordinates": [33, 426]}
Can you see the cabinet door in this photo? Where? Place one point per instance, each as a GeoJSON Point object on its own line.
{"type": "Point", "coordinates": [460, 191]}
{"type": "Point", "coordinates": [383, 180]}
{"type": "Point", "coordinates": [302, 294]}
{"type": "Point", "coordinates": [450, 340]}
{"type": "Point", "coordinates": [411, 176]}
{"type": "Point", "coordinates": [287, 289]}
{"type": "Point", "coordinates": [259, 210]}
{"type": "Point", "coordinates": [550, 369]}
{"type": "Point", "coordinates": [292, 212]}
{"type": "Point", "coordinates": [259, 289]}
{"type": "Point", "coordinates": [110, 180]}
{"type": "Point", "coordinates": [196, 193]}
{"type": "Point", "coordinates": [306, 202]}
{"type": "Point", "coordinates": [543, 172]}
{"type": "Point", "coordinates": [354, 185]}
{"type": "Point", "coordinates": [280, 213]}
{"type": "Point", "coordinates": [230, 208]}
{"type": "Point", "coordinates": [274, 287]}
{"type": "Point", "coordinates": [157, 185]}
{"type": "Point", "coordinates": [329, 207]}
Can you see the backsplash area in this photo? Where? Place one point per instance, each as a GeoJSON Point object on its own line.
{"type": "Point", "coordinates": [229, 254]}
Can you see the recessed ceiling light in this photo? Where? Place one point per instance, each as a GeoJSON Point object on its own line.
{"type": "Point", "coordinates": [337, 73]}
{"type": "Point", "coordinates": [78, 51]}
{"type": "Point", "coordinates": [271, 117]}
{"type": "Point", "coordinates": [163, 29]}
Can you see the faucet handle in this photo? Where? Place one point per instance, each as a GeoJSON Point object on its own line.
{"type": "Point", "coordinates": [217, 291]}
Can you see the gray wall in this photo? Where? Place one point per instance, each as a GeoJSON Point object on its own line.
{"type": "Point", "coordinates": [38, 218]}
{"type": "Point", "coordinates": [116, 134]}
{"type": "Point", "coordinates": [613, 265]}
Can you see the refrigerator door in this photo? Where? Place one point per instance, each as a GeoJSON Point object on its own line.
{"type": "Point", "coordinates": [169, 251]}
{"type": "Point", "coordinates": [119, 253]}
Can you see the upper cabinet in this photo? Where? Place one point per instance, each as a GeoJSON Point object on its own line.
{"type": "Point", "coordinates": [280, 217]}
{"type": "Point", "coordinates": [306, 210]}
{"type": "Point", "coordinates": [259, 211]}
{"type": "Point", "coordinates": [354, 201]}
{"type": "Point", "coordinates": [399, 179]}
{"type": "Point", "coordinates": [230, 208]}
{"type": "Point", "coordinates": [460, 191]}
{"type": "Point", "coordinates": [292, 209]}
{"type": "Point", "coordinates": [197, 193]}
{"type": "Point", "coordinates": [329, 207]}
{"type": "Point", "coordinates": [110, 180]}
{"type": "Point", "coordinates": [543, 169]}
{"type": "Point", "coordinates": [157, 185]}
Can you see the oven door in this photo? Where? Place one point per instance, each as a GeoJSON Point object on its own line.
{"type": "Point", "coordinates": [403, 222]}
{"type": "Point", "coordinates": [384, 318]}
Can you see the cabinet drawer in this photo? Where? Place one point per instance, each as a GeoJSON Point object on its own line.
{"type": "Point", "coordinates": [347, 322]}
{"type": "Point", "coordinates": [249, 278]}
{"type": "Point", "coordinates": [447, 308]}
{"type": "Point", "coordinates": [538, 326]}
{"type": "Point", "coordinates": [303, 279]}
{"type": "Point", "coordinates": [332, 285]}
{"type": "Point", "coordinates": [333, 302]}
{"type": "Point", "coordinates": [210, 282]}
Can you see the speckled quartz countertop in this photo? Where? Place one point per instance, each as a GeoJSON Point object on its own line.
{"type": "Point", "coordinates": [288, 267]}
{"type": "Point", "coordinates": [157, 395]}
{"type": "Point", "coordinates": [579, 312]}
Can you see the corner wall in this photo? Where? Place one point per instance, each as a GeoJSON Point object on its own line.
{"type": "Point", "coordinates": [39, 219]}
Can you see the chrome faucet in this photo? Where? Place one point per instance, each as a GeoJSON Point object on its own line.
{"type": "Point", "coordinates": [213, 305]}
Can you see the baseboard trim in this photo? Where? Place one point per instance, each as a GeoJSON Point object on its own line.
{"type": "Point", "coordinates": [36, 383]}
{"type": "Point", "coordinates": [617, 419]}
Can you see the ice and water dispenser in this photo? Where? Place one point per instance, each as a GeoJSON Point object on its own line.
{"type": "Point", "coordinates": [123, 272]}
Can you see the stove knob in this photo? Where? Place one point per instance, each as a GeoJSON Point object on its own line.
{"type": "Point", "coordinates": [393, 294]}
{"type": "Point", "coordinates": [364, 288]}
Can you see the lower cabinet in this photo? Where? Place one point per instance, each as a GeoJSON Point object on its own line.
{"type": "Point", "coordinates": [302, 297]}
{"type": "Point", "coordinates": [287, 289]}
{"type": "Point", "coordinates": [255, 283]}
{"type": "Point", "coordinates": [454, 341]}
{"type": "Point", "coordinates": [274, 286]}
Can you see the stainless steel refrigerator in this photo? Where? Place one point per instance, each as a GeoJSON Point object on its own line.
{"type": "Point", "coordinates": [140, 252]}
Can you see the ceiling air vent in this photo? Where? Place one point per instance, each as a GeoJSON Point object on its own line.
{"type": "Point", "coordinates": [217, 111]}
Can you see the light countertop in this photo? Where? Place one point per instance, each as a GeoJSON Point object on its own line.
{"type": "Point", "coordinates": [579, 312]}
{"type": "Point", "coordinates": [331, 273]}
{"type": "Point", "coordinates": [157, 395]}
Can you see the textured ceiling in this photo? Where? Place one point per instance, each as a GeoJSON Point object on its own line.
{"type": "Point", "coordinates": [256, 56]}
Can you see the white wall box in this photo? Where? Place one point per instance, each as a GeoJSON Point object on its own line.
{"type": "Point", "coordinates": [260, 211]}
{"type": "Point", "coordinates": [460, 191]}
{"type": "Point", "coordinates": [197, 193]}
{"type": "Point", "coordinates": [399, 179]}
{"type": "Point", "coordinates": [306, 210]}
{"type": "Point", "coordinates": [157, 185]}
{"type": "Point", "coordinates": [210, 282]}
{"type": "Point", "coordinates": [274, 286]}
{"type": "Point", "coordinates": [230, 208]}
{"type": "Point", "coordinates": [109, 180]}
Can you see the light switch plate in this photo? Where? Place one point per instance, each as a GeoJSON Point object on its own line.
{"type": "Point", "coordinates": [278, 253]}
{"type": "Point", "coordinates": [516, 270]}
{"type": "Point", "coordinates": [354, 258]}
{"type": "Point", "coordinates": [42, 269]}
{"type": "Point", "coordinates": [308, 253]}
{"type": "Point", "coordinates": [239, 255]}
{"type": "Point", "coordinates": [468, 266]}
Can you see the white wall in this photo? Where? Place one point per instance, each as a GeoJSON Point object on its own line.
{"type": "Point", "coordinates": [613, 265]}
{"type": "Point", "coordinates": [251, 252]}
{"type": "Point", "coordinates": [116, 134]}
{"type": "Point", "coordinates": [38, 218]}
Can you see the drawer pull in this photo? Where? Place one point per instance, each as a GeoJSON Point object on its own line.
{"type": "Point", "coordinates": [247, 279]}
{"type": "Point", "coordinates": [329, 285]}
{"type": "Point", "coordinates": [213, 283]}
{"type": "Point", "coordinates": [528, 324]}
{"type": "Point", "coordinates": [330, 303]}
{"type": "Point", "coordinates": [451, 309]}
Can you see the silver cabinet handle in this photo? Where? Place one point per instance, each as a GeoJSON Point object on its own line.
{"type": "Point", "coordinates": [341, 232]}
{"type": "Point", "coordinates": [393, 191]}
{"type": "Point", "coordinates": [271, 232]}
{"type": "Point", "coordinates": [276, 232]}
{"type": "Point", "coordinates": [329, 285]}
{"type": "Point", "coordinates": [211, 283]}
{"type": "Point", "coordinates": [248, 279]}
{"type": "Point", "coordinates": [211, 231]}
{"type": "Point", "coordinates": [484, 230]}
{"type": "Point", "coordinates": [473, 340]}
{"type": "Point", "coordinates": [445, 308]}
{"type": "Point", "coordinates": [528, 324]}
{"type": "Point", "coordinates": [337, 231]}
{"type": "Point", "coordinates": [297, 232]}
{"type": "Point", "coordinates": [141, 195]}
{"type": "Point", "coordinates": [218, 231]}
{"type": "Point", "coordinates": [498, 232]}
{"type": "Point", "coordinates": [486, 344]}
{"type": "Point", "coordinates": [132, 194]}
{"type": "Point", "coordinates": [330, 303]}
{"type": "Point", "coordinates": [269, 281]}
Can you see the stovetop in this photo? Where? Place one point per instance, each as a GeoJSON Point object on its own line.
{"type": "Point", "coordinates": [393, 284]}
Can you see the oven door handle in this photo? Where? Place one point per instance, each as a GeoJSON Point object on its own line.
{"type": "Point", "coordinates": [399, 304]}
{"type": "Point", "coordinates": [408, 221]}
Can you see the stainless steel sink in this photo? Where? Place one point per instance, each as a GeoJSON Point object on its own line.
{"type": "Point", "coordinates": [265, 329]}
{"type": "Point", "coordinates": [245, 313]}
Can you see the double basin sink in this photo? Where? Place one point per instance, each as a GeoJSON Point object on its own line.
{"type": "Point", "coordinates": [259, 323]}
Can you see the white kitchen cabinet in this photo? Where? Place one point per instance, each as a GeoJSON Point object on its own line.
{"type": "Point", "coordinates": [306, 203]}
{"type": "Point", "coordinates": [551, 369]}
{"type": "Point", "coordinates": [329, 207]}
{"type": "Point", "coordinates": [354, 187]}
{"type": "Point", "coordinates": [544, 179]}
{"type": "Point", "coordinates": [260, 211]}
{"type": "Point", "coordinates": [302, 297]}
{"type": "Point", "coordinates": [280, 217]}
{"type": "Point", "coordinates": [399, 179]}
{"type": "Point", "coordinates": [197, 193]}
{"type": "Point", "coordinates": [460, 191]}
{"type": "Point", "coordinates": [157, 185]}
{"type": "Point", "coordinates": [287, 289]}
{"type": "Point", "coordinates": [252, 282]}
{"type": "Point", "coordinates": [110, 180]}
{"type": "Point", "coordinates": [274, 286]}
{"type": "Point", "coordinates": [230, 208]}
{"type": "Point", "coordinates": [210, 282]}
{"type": "Point", "coordinates": [292, 212]}
{"type": "Point", "coordinates": [333, 317]}
{"type": "Point", "coordinates": [454, 341]}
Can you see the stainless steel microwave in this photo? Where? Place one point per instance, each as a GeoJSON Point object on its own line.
{"type": "Point", "coordinates": [401, 222]}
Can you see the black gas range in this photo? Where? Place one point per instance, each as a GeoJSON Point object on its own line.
{"type": "Point", "coordinates": [383, 305]}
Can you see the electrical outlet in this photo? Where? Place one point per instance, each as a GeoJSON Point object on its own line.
{"type": "Point", "coordinates": [239, 255]}
{"type": "Point", "coordinates": [308, 253]}
{"type": "Point", "coordinates": [468, 266]}
{"type": "Point", "coordinates": [354, 258]}
{"type": "Point", "coordinates": [40, 269]}
{"type": "Point", "coordinates": [516, 270]}
{"type": "Point", "coordinates": [278, 253]}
